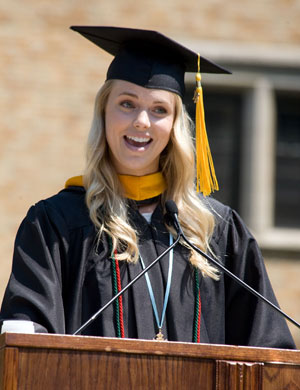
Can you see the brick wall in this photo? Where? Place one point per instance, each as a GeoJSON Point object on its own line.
{"type": "Point", "coordinates": [50, 75]}
{"type": "Point", "coordinates": [284, 274]}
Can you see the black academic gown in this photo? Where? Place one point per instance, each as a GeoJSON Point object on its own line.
{"type": "Point", "coordinates": [61, 277]}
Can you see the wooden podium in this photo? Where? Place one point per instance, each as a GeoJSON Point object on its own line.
{"type": "Point", "coordinates": [46, 362]}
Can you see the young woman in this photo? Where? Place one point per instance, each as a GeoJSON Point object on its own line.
{"type": "Point", "coordinates": [77, 249]}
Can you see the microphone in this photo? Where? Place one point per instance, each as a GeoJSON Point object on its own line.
{"type": "Point", "coordinates": [96, 315]}
{"type": "Point", "coordinates": [172, 218]}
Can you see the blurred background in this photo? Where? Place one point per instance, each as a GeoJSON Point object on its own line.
{"type": "Point", "coordinates": [50, 76]}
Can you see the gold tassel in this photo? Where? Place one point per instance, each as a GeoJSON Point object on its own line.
{"type": "Point", "coordinates": [206, 177]}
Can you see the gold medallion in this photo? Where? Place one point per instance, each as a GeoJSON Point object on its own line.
{"type": "Point", "coordinates": [159, 336]}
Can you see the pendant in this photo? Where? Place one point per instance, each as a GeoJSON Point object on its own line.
{"type": "Point", "coordinates": [159, 336]}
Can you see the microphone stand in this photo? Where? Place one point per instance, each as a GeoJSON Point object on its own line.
{"type": "Point", "coordinates": [87, 323]}
{"type": "Point", "coordinates": [180, 233]}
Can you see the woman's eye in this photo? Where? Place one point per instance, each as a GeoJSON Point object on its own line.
{"type": "Point", "coordinates": [160, 110]}
{"type": "Point", "coordinates": [127, 104]}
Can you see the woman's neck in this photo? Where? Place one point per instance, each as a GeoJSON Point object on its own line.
{"type": "Point", "coordinates": [149, 208]}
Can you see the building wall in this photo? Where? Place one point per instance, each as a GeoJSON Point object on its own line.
{"type": "Point", "coordinates": [50, 75]}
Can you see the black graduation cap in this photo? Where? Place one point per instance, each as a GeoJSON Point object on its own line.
{"type": "Point", "coordinates": [147, 58]}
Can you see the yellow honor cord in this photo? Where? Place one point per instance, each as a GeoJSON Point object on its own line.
{"type": "Point", "coordinates": [206, 177]}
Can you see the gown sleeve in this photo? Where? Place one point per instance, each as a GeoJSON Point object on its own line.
{"type": "Point", "coordinates": [34, 290]}
{"type": "Point", "coordinates": [248, 319]}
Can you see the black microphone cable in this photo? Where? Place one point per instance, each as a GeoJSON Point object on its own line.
{"type": "Point", "coordinates": [91, 319]}
{"type": "Point", "coordinates": [172, 217]}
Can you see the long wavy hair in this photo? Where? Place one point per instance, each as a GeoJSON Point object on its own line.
{"type": "Point", "coordinates": [107, 206]}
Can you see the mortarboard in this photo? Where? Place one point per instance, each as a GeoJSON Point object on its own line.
{"type": "Point", "coordinates": [152, 60]}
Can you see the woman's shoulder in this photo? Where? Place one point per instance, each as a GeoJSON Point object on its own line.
{"type": "Point", "coordinates": [227, 220]}
{"type": "Point", "coordinates": [220, 211]}
{"type": "Point", "coordinates": [67, 206]}
{"type": "Point", "coordinates": [228, 225]}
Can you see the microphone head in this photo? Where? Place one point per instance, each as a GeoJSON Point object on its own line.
{"type": "Point", "coordinates": [171, 217]}
{"type": "Point", "coordinates": [168, 219]}
{"type": "Point", "coordinates": [171, 207]}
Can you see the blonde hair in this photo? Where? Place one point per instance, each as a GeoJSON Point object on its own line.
{"type": "Point", "coordinates": [108, 208]}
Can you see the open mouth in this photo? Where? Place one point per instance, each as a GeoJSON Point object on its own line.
{"type": "Point", "coordinates": [138, 142]}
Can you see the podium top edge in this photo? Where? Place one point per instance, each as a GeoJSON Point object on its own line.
{"type": "Point", "coordinates": [148, 347]}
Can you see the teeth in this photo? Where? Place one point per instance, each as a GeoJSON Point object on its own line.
{"type": "Point", "coordinates": [138, 139]}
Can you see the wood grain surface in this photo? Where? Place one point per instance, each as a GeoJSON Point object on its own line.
{"type": "Point", "coordinates": [46, 362]}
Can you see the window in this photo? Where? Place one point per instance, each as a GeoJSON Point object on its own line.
{"type": "Point", "coordinates": [287, 182]}
{"type": "Point", "coordinates": [253, 126]}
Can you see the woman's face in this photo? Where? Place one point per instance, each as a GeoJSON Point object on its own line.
{"type": "Point", "coordinates": [138, 124]}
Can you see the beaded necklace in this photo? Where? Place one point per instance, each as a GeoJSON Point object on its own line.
{"type": "Point", "coordinates": [118, 305]}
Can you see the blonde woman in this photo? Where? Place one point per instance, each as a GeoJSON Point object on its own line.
{"type": "Point", "coordinates": [77, 249]}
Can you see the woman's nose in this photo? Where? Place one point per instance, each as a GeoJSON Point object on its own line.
{"type": "Point", "coordinates": [142, 120]}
